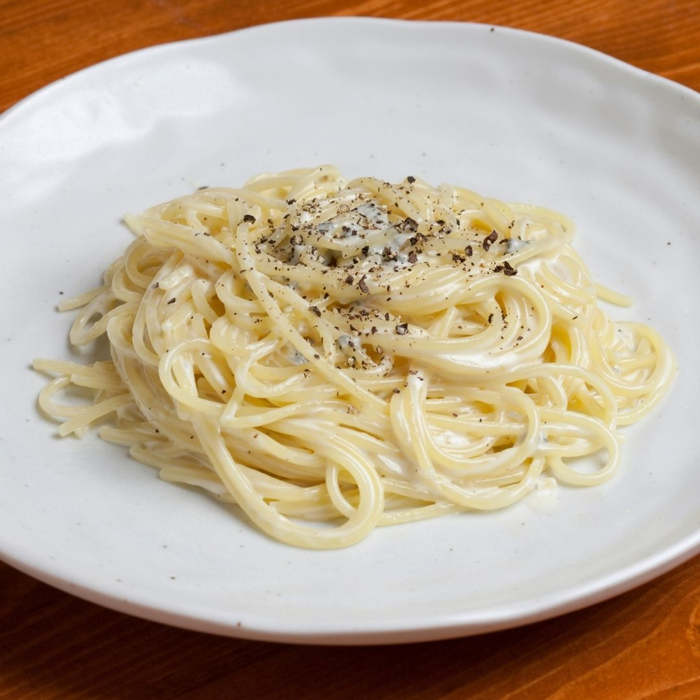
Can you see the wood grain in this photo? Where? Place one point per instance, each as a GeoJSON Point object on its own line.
{"type": "Point", "coordinates": [46, 39]}
{"type": "Point", "coordinates": [644, 644]}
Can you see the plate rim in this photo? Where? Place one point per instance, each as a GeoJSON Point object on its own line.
{"type": "Point", "coordinates": [423, 628]}
{"type": "Point", "coordinates": [170, 45]}
{"type": "Point", "coordinates": [443, 625]}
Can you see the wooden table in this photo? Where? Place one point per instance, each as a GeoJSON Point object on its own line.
{"type": "Point", "coordinates": [644, 644]}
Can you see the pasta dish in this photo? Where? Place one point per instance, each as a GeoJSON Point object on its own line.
{"type": "Point", "coordinates": [335, 355]}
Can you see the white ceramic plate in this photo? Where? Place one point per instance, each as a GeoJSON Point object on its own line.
{"type": "Point", "coordinates": [515, 115]}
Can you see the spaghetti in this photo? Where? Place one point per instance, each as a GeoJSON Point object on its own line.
{"type": "Point", "coordinates": [332, 356]}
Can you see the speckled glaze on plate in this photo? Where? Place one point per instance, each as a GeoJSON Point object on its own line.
{"type": "Point", "coordinates": [515, 115]}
